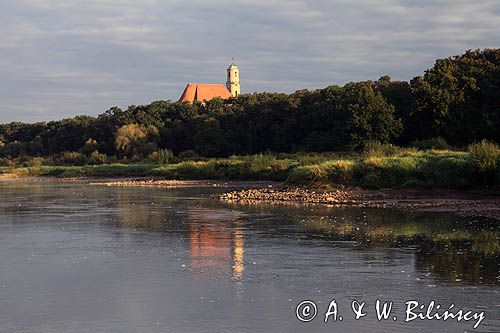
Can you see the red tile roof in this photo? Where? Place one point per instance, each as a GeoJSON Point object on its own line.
{"type": "Point", "coordinates": [204, 92]}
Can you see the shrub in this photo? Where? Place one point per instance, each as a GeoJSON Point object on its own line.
{"type": "Point", "coordinates": [136, 158]}
{"type": "Point", "coordinates": [259, 162]}
{"type": "Point", "coordinates": [437, 143]}
{"type": "Point", "coordinates": [6, 162]}
{"type": "Point", "coordinates": [72, 172]}
{"type": "Point", "coordinates": [31, 161]}
{"type": "Point", "coordinates": [113, 159]}
{"type": "Point", "coordinates": [310, 158]}
{"type": "Point", "coordinates": [97, 158]}
{"type": "Point", "coordinates": [188, 155]}
{"type": "Point", "coordinates": [191, 170]}
{"type": "Point", "coordinates": [231, 169]}
{"type": "Point", "coordinates": [301, 175]}
{"type": "Point", "coordinates": [264, 167]}
{"type": "Point", "coordinates": [485, 156]}
{"type": "Point", "coordinates": [165, 156]}
{"type": "Point", "coordinates": [341, 171]}
{"type": "Point", "coordinates": [72, 158]}
{"type": "Point", "coordinates": [153, 157]}
{"type": "Point", "coordinates": [146, 148]}
{"type": "Point", "coordinates": [377, 149]}
{"type": "Point", "coordinates": [338, 171]}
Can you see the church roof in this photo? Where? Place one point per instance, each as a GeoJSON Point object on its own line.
{"type": "Point", "coordinates": [204, 92]}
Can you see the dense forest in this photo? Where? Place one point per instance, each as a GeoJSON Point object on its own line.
{"type": "Point", "coordinates": [456, 102]}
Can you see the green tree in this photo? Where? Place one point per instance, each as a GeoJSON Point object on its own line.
{"type": "Point", "coordinates": [399, 94]}
{"type": "Point", "coordinates": [370, 117]}
{"type": "Point", "coordinates": [457, 98]}
{"type": "Point", "coordinates": [128, 139]}
{"type": "Point", "coordinates": [209, 140]}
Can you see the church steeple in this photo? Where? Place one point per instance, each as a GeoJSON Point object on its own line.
{"type": "Point", "coordinates": [233, 80]}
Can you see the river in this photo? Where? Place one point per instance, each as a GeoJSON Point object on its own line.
{"type": "Point", "coordinates": [83, 258]}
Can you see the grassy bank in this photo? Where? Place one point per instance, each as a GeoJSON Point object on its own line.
{"type": "Point", "coordinates": [379, 168]}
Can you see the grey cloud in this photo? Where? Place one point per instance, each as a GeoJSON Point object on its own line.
{"type": "Point", "coordinates": [60, 59]}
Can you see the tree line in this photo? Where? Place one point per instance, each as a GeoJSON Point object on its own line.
{"type": "Point", "coordinates": [457, 101]}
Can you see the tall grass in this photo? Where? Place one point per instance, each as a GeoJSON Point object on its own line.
{"type": "Point", "coordinates": [405, 169]}
{"type": "Point", "coordinates": [376, 167]}
{"type": "Point", "coordinates": [485, 156]}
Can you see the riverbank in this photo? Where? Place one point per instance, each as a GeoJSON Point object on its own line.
{"type": "Point", "coordinates": [392, 177]}
{"type": "Point", "coordinates": [391, 167]}
{"type": "Point", "coordinates": [474, 203]}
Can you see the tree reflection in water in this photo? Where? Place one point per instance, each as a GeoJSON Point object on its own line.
{"type": "Point", "coordinates": [449, 248]}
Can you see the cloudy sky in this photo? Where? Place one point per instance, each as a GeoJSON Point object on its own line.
{"type": "Point", "coordinates": [60, 58]}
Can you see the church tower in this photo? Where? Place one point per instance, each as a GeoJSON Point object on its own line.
{"type": "Point", "coordinates": [233, 80]}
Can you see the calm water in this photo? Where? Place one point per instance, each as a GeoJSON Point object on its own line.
{"type": "Point", "coordinates": [80, 258]}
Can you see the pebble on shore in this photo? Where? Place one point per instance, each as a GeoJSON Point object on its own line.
{"type": "Point", "coordinates": [356, 197]}
{"type": "Point", "coordinates": [336, 197]}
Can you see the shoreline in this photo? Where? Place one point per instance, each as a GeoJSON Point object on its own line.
{"type": "Point", "coordinates": [471, 203]}
{"type": "Point", "coordinates": [173, 183]}
{"type": "Point", "coordinates": [124, 181]}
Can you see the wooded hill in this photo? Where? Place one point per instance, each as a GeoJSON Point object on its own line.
{"type": "Point", "coordinates": [455, 102]}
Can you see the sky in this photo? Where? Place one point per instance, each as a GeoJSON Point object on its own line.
{"type": "Point", "coordinates": [60, 59]}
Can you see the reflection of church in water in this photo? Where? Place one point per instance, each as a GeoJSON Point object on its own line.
{"type": "Point", "coordinates": [216, 244]}
{"type": "Point", "coordinates": [215, 238]}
